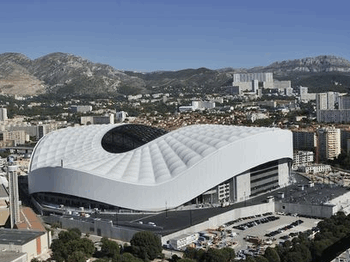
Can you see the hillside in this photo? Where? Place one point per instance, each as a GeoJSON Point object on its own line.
{"type": "Point", "coordinates": [62, 74]}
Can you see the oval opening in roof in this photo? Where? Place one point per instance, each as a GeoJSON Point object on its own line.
{"type": "Point", "coordinates": [124, 138]}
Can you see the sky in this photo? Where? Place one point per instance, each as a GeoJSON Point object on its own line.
{"type": "Point", "coordinates": [152, 35]}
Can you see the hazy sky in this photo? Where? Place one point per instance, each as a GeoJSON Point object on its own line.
{"type": "Point", "coordinates": [154, 35]}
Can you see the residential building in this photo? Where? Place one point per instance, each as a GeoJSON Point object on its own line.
{"type": "Point", "coordinates": [303, 158]}
{"type": "Point", "coordinates": [304, 140]}
{"type": "Point", "coordinates": [80, 109]}
{"type": "Point", "coordinates": [3, 114]}
{"type": "Point", "coordinates": [328, 143]}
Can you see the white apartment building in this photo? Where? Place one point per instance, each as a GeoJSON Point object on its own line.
{"type": "Point", "coordinates": [305, 96]}
{"type": "Point", "coordinates": [13, 138]}
{"type": "Point", "coordinates": [121, 116]}
{"type": "Point", "coordinates": [81, 108]}
{"type": "Point", "coordinates": [3, 114]}
{"type": "Point", "coordinates": [182, 241]}
{"type": "Point", "coordinates": [302, 158]}
{"type": "Point", "coordinates": [328, 143]}
{"type": "Point", "coordinates": [314, 169]}
{"type": "Point", "coordinates": [97, 120]}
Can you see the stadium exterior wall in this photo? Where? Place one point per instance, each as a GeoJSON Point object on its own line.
{"type": "Point", "coordinates": [226, 162]}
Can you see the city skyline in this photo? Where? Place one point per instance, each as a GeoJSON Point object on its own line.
{"type": "Point", "coordinates": [131, 35]}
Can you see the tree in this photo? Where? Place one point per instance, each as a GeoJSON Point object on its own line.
{"type": "Point", "coordinates": [229, 253]}
{"type": "Point", "coordinates": [293, 257]}
{"type": "Point", "coordinates": [77, 256]}
{"type": "Point", "coordinates": [272, 255]}
{"type": "Point", "coordinates": [146, 245]}
{"type": "Point", "coordinates": [261, 259]}
{"type": "Point", "coordinates": [214, 255]}
{"type": "Point", "coordinates": [71, 247]}
{"type": "Point", "coordinates": [127, 257]}
{"type": "Point", "coordinates": [250, 259]}
{"type": "Point", "coordinates": [109, 248]}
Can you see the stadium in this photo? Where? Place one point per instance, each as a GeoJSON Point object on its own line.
{"type": "Point", "coordinates": [142, 168]}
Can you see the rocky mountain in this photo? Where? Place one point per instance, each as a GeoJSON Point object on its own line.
{"type": "Point", "coordinates": [319, 64]}
{"type": "Point", "coordinates": [62, 74]}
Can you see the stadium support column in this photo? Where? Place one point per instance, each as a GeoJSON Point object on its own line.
{"type": "Point", "coordinates": [14, 197]}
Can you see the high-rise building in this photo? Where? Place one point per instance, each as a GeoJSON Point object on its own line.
{"type": "Point", "coordinates": [251, 81]}
{"type": "Point", "coordinates": [14, 196]}
{"type": "Point", "coordinates": [3, 114]}
{"type": "Point", "coordinates": [328, 143]}
{"type": "Point", "coordinates": [344, 102]}
{"type": "Point", "coordinates": [326, 106]}
{"type": "Point", "coordinates": [304, 140]}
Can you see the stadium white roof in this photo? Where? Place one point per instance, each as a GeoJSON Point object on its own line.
{"type": "Point", "coordinates": [73, 161]}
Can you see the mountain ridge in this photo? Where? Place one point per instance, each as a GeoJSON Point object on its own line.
{"type": "Point", "coordinates": [62, 73]}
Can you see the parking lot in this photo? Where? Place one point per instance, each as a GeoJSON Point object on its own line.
{"type": "Point", "coordinates": [258, 232]}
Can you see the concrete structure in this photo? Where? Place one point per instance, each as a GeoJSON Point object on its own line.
{"type": "Point", "coordinates": [255, 82]}
{"type": "Point", "coordinates": [186, 109]}
{"type": "Point", "coordinates": [182, 241]}
{"type": "Point", "coordinates": [11, 256]}
{"type": "Point", "coordinates": [3, 114]}
{"type": "Point", "coordinates": [14, 195]}
{"type": "Point", "coordinates": [247, 81]}
{"type": "Point", "coordinates": [304, 94]}
{"type": "Point", "coordinates": [234, 90]}
{"type": "Point", "coordinates": [344, 102]}
{"type": "Point", "coordinates": [121, 116]}
{"type": "Point", "coordinates": [314, 168]}
{"type": "Point", "coordinates": [80, 109]}
{"type": "Point", "coordinates": [201, 105]}
{"type": "Point", "coordinates": [334, 116]}
{"type": "Point", "coordinates": [33, 243]}
{"type": "Point", "coordinates": [97, 120]}
{"type": "Point", "coordinates": [37, 131]}
{"type": "Point", "coordinates": [13, 138]}
{"type": "Point", "coordinates": [332, 108]}
{"type": "Point", "coordinates": [4, 200]}
{"type": "Point", "coordinates": [124, 165]}
{"type": "Point", "coordinates": [256, 116]}
{"type": "Point", "coordinates": [345, 139]}
{"type": "Point", "coordinates": [328, 143]}
{"type": "Point", "coordinates": [302, 158]}
{"type": "Point", "coordinates": [304, 140]}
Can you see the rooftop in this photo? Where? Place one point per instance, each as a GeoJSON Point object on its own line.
{"type": "Point", "coordinates": [18, 237]}
{"type": "Point", "coordinates": [9, 256]}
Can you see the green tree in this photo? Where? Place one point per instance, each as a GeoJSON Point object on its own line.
{"type": "Point", "coordinates": [70, 246]}
{"type": "Point", "coordinates": [293, 257]}
{"type": "Point", "coordinates": [228, 253]}
{"type": "Point", "coordinates": [127, 257]}
{"type": "Point", "coordinates": [261, 259]}
{"type": "Point", "coordinates": [272, 255]}
{"type": "Point", "coordinates": [83, 244]}
{"type": "Point", "coordinates": [109, 248]}
{"type": "Point", "coordinates": [186, 260]}
{"type": "Point", "coordinates": [214, 255]}
{"type": "Point", "coordinates": [77, 256]}
{"type": "Point", "coordinates": [250, 259]}
{"type": "Point", "coordinates": [146, 245]}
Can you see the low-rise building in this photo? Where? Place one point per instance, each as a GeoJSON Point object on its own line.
{"type": "Point", "coordinates": [97, 120]}
{"type": "Point", "coordinates": [33, 243]}
{"type": "Point", "coordinates": [302, 158]}
{"type": "Point", "coordinates": [182, 241]}
{"type": "Point", "coordinates": [314, 169]}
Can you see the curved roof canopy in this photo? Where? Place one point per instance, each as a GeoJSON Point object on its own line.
{"type": "Point", "coordinates": [142, 168]}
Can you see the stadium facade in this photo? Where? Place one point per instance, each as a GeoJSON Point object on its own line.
{"type": "Point", "coordinates": [143, 168]}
